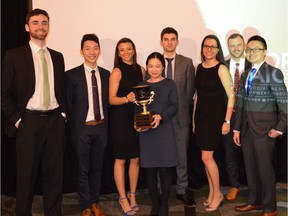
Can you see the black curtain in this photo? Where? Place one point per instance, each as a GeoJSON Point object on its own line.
{"type": "Point", "coordinates": [13, 34]}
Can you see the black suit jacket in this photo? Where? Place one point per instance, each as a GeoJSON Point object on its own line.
{"type": "Point", "coordinates": [18, 83]}
{"type": "Point", "coordinates": [77, 98]}
{"type": "Point", "coordinates": [266, 105]}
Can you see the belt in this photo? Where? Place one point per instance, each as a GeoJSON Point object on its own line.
{"type": "Point", "coordinates": [42, 112]}
{"type": "Point", "coordinates": [94, 123]}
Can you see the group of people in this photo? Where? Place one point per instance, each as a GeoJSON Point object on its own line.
{"type": "Point", "coordinates": [233, 98]}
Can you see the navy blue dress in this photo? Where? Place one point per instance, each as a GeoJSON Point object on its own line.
{"type": "Point", "coordinates": [157, 146]}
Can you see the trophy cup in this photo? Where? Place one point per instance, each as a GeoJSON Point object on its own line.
{"type": "Point", "coordinates": [144, 97]}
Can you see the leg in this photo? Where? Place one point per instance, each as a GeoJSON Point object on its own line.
{"type": "Point", "coordinates": [151, 180]}
{"type": "Point", "coordinates": [253, 179]}
{"type": "Point", "coordinates": [182, 140]}
{"type": "Point", "coordinates": [133, 178]}
{"type": "Point", "coordinates": [264, 148]}
{"type": "Point", "coordinates": [119, 176]}
{"type": "Point", "coordinates": [232, 152]}
{"type": "Point", "coordinates": [52, 164]}
{"type": "Point", "coordinates": [97, 151]}
{"type": "Point", "coordinates": [82, 152]}
{"type": "Point", "coordinates": [28, 150]}
{"type": "Point", "coordinates": [213, 173]}
{"type": "Point", "coordinates": [166, 181]}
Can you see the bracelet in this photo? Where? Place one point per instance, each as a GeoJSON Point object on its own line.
{"type": "Point", "coordinates": [126, 99]}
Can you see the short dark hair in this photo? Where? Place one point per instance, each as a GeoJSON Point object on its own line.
{"type": "Point", "coordinates": [36, 12]}
{"type": "Point", "coordinates": [92, 37]}
{"type": "Point", "coordinates": [258, 38]}
{"type": "Point", "coordinates": [235, 35]}
{"type": "Point", "coordinates": [169, 30]}
{"type": "Point", "coordinates": [156, 55]}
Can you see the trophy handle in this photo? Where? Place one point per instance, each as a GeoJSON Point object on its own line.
{"type": "Point", "coordinates": [152, 93]}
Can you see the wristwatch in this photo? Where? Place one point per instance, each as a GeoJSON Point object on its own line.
{"type": "Point", "coordinates": [227, 121]}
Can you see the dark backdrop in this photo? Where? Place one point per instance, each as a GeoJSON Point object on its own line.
{"type": "Point", "coordinates": [13, 34]}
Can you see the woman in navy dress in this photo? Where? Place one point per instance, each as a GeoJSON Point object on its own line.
{"type": "Point", "coordinates": [157, 145]}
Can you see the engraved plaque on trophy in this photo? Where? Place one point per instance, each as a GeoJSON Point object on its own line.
{"type": "Point", "coordinates": [144, 97]}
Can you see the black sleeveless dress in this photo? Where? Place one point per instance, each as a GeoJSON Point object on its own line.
{"type": "Point", "coordinates": [124, 138]}
{"type": "Point", "coordinates": [210, 109]}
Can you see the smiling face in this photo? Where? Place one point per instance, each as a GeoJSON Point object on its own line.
{"type": "Point", "coordinates": [90, 52]}
{"type": "Point", "coordinates": [258, 57]}
{"type": "Point", "coordinates": [236, 48]}
{"type": "Point", "coordinates": [126, 52]}
{"type": "Point", "coordinates": [155, 68]}
{"type": "Point", "coordinates": [38, 27]}
{"type": "Point", "coordinates": [210, 49]}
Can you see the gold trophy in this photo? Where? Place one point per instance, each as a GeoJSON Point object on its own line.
{"type": "Point", "coordinates": [144, 97]}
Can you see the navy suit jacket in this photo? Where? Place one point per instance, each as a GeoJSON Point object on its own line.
{"type": "Point", "coordinates": [77, 99]}
{"type": "Point", "coordinates": [18, 84]}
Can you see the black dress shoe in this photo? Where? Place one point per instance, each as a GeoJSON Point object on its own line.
{"type": "Point", "coordinates": [186, 200]}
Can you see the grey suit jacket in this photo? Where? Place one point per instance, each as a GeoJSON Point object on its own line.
{"type": "Point", "coordinates": [265, 107]}
{"type": "Point", "coordinates": [184, 77]}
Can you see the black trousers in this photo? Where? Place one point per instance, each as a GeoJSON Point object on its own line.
{"type": "Point", "coordinates": [234, 157]}
{"type": "Point", "coordinates": [89, 151]}
{"type": "Point", "coordinates": [40, 144]}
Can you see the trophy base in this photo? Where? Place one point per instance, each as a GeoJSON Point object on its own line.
{"type": "Point", "coordinates": [143, 121]}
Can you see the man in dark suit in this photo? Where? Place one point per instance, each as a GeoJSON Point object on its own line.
{"type": "Point", "coordinates": [33, 101]}
{"type": "Point", "coordinates": [182, 71]}
{"type": "Point", "coordinates": [261, 116]}
{"type": "Point", "coordinates": [88, 122]}
{"type": "Point", "coordinates": [233, 154]}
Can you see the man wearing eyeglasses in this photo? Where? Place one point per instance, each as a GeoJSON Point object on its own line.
{"type": "Point", "coordinates": [237, 64]}
{"type": "Point", "coordinates": [261, 116]}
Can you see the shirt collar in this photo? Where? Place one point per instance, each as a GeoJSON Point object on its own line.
{"type": "Point", "coordinates": [35, 48]}
{"type": "Point", "coordinates": [257, 66]}
{"type": "Point", "coordinates": [89, 69]}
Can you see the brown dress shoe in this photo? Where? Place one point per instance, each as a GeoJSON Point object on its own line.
{"type": "Point", "coordinates": [247, 208]}
{"type": "Point", "coordinates": [274, 213]}
{"type": "Point", "coordinates": [97, 211]}
{"type": "Point", "coordinates": [86, 212]}
{"type": "Point", "coordinates": [232, 194]}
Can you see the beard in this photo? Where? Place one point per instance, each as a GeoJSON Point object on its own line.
{"type": "Point", "coordinates": [36, 36]}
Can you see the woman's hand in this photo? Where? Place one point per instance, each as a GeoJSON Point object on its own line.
{"type": "Point", "coordinates": [225, 128]}
{"type": "Point", "coordinates": [156, 120]}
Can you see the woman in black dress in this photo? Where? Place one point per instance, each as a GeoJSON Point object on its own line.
{"type": "Point", "coordinates": [212, 115]}
{"type": "Point", "coordinates": [125, 140]}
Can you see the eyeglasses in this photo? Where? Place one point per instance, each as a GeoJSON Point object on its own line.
{"type": "Point", "coordinates": [254, 50]}
{"type": "Point", "coordinates": [209, 47]}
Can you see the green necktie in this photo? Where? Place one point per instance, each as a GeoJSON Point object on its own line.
{"type": "Point", "coordinates": [46, 87]}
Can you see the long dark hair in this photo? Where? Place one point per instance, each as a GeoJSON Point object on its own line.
{"type": "Point", "coordinates": [219, 56]}
{"type": "Point", "coordinates": [118, 60]}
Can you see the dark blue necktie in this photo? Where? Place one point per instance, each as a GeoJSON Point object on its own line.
{"type": "Point", "coordinates": [250, 79]}
{"type": "Point", "coordinates": [95, 96]}
{"type": "Point", "coordinates": [169, 68]}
